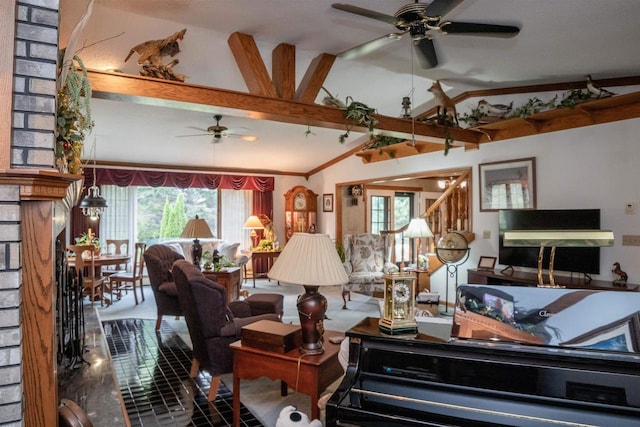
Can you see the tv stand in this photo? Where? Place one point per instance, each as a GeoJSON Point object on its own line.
{"type": "Point", "coordinates": [512, 277]}
{"type": "Point", "coordinates": [508, 268]}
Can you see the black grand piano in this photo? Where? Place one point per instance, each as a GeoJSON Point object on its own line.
{"type": "Point", "coordinates": [503, 365]}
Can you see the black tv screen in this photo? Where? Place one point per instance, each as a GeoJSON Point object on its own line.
{"type": "Point", "coordinates": [576, 260]}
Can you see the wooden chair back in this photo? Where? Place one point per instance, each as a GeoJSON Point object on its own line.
{"type": "Point", "coordinates": [84, 261]}
{"type": "Point", "coordinates": [120, 246]}
{"type": "Point", "coordinates": [118, 280]}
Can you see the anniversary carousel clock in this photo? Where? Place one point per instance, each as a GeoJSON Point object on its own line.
{"type": "Point", "coordinates": [398, 315]}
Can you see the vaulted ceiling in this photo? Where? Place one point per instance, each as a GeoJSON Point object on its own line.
{"type": "Point", "coordinates": [558, 42]}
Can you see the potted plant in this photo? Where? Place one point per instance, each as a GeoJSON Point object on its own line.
{"type": "Point", "coordinates": [87, 239]}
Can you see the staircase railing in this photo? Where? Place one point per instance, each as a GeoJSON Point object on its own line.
{"type": "Point", "coordinates": [450, 212]}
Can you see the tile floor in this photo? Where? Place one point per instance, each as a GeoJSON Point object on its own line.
{"type": "Point", "coordinates": [153, 374]}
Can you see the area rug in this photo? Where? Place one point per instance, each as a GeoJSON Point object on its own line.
{"type": "Point", "coordinates": [152, 370]}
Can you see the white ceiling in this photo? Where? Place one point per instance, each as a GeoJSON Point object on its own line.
{"type": "Point", "coordinates": [559, 41]}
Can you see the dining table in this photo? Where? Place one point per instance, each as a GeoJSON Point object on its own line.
{"type": "Point", "coordinates": [101, 261]}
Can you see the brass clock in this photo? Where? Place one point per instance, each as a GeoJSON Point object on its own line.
{"type": "Point", "coordinates": [398, 315]}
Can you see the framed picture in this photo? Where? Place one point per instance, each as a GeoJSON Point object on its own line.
{"type": "Point", "coordinates": [486, 263]}
{"type": "Point", "coordinates": [508, 185]}
{"type": "Point", "coordinates": [327, 203]}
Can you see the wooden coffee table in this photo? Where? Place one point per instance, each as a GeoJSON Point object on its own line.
{"type": "Point", "coordinates": [314, 375]}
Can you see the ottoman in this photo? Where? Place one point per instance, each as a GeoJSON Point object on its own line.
{"type": "Point", "coordinates": [266, 303]}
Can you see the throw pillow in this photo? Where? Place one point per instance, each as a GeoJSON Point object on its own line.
{"type": "Point", "coordinates": [228, 250]}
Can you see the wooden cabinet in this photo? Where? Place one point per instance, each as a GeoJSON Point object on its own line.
{"type": "Point", "coordinates": [230, 279]}
{"type": "Point", "coordinates": [300, 210]}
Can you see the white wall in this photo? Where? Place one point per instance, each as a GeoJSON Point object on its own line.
{"type": "Point", "coordinates": [591, 167]}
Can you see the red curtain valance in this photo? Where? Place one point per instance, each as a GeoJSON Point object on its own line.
{"type": "Point", "coordinates": [128, 177]}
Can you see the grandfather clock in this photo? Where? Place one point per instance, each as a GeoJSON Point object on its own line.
{"type": "Point", "coordinates": [300, 210]}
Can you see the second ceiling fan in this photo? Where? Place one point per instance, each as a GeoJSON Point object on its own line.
{"type": "Point", "coordinates": [418, 19]}
{"type": "Point", "coordinates": [218, 132]}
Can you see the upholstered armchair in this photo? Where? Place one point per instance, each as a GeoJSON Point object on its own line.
{"type": "Point", "coordinates": [213, 324]}
{"type": "Point", "coordinates": [366, 262]}
{"type": "Point", "coordinates": [159, 260]}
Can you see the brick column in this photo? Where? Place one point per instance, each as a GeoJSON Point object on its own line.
{"type": "Point", "coordinates": [28, 54]}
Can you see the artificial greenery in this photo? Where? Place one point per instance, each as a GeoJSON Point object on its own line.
{"type": "Point", "coordinates": [86, 240]}
{"type": "Point", "coordinates": [264, 245]}
{"type": "Point", "coordinates": [73, 115]}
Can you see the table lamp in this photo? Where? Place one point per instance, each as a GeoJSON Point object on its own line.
{"type": "Point", "coordinates": [254, 223]}
{"type": "Point", "coordinates": [196, 228]}
{"type": "Point", "coordinates": [554, 238]}
{"type": "Point", "coordinates": [310, 260]}
{"type": "Point", "coordinates": [418, 228]}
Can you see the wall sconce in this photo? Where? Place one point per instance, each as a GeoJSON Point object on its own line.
{"type": "Point", "coordinates": [554, 238]}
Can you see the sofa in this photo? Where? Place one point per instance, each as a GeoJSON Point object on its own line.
{"type": "Point", "coordinates": [366, 262]}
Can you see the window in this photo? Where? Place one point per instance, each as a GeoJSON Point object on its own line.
{"type": "Point", "coordinates": [152, 214]}
{"type": "Point", "coordinates": [380, 215]}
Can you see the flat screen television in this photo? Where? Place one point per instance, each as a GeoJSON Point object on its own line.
{"type": "Point", "coordinates": [575, 260]}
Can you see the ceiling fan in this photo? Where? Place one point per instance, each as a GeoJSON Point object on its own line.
{"type": "Point", "coordinates": [218, 132]}
{"type": "Point", "coordinates": [418, 19]}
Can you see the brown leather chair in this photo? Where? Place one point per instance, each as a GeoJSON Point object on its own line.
{"type": "Point", "coordinates": [159, 260]}
{"type": "Point", "coordinates": [213, 324]}
{"type": "Point", "coordinates": [119, 281]}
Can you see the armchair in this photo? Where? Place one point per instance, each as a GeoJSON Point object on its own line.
{"type": "Point", "coordinates": [213, 324]}
{"type": "Point", "coordinates": [159, 260]}
{"type": "Point", "coordinates": [366, 261]}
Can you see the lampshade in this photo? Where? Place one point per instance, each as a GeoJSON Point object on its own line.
{"type": "Point", "coordinates": [418, 227]}
{"type": "Point", "coordinates": [560, 238]}
{"type": "Point", "coordinates": [196, 228]}
{"type": "Point", "coordinates": [253, 222]}
{"type": "Point", "coordinates": [309, 259]}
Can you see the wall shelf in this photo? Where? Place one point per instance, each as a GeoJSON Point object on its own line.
{"type": "Point", "coordinates": [615, 108]}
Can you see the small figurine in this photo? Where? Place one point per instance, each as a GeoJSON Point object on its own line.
{"type": "Point", "coordinates": [622, 276]}
{"type": "Point", "coordinates": [444, 105]}
{"type": "Point", "coordinates": [597, 90]}
{"type": "Point", "coordinates": [494, 110]}
{"type": "Point", "coordinates": [151, 53]}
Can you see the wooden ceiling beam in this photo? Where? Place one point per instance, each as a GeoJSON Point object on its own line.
{"type": "Point", "coordinates": [251, 65]}
{"type": "Point", "coordinates": [172, 94]}
{"type": "Point", "coordinates": [283, 70]}
{"type": "Point", "coordinates": [314, 78]}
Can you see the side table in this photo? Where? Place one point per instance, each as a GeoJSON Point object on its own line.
{"type": "Point", "coordinates": [308, 374]}
{"type": "Point", "coordinates": [423, 277]}
{"type": "Point", "coordinates": [230, 278]}
{"type": "Point", "coordinates": [269, 256]}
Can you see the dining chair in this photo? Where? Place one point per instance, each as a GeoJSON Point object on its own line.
{"type": "Point", "coordinates": [128, 280]}
{"type": "Point", "coordinates": [120, 247]}
{"type": "Point", "coordinates": [84, 260]}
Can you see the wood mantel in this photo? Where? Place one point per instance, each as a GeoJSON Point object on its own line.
{"type": "Point", "coordinates": [38, 189]}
